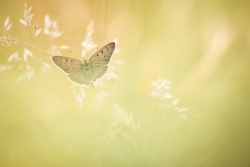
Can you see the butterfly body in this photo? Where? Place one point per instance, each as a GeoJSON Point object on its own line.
{"type": "Point", "coordinates": [86, 65]}
{"type": "Point", "coordinates": [86, 71]}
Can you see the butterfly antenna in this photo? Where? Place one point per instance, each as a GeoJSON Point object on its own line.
{"type": "Point", "coordinates": [71, 51]}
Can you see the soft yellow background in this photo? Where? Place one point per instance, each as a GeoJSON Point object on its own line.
{"type": "Point", "coordinates": [203, 46]}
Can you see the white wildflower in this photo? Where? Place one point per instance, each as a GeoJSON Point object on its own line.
{"type": "Point", "coordinates": [45, 67]}
{"type": "Point", "coordinates": [124, 129]}
{"type": "Point", "coordinates": [161, 92]}
{"type": "Point", "coordinates": [64, 47]}
{"type": "Point", "coordinates": [79, 93]}
{"type": "Point", "coordinates": [27, 54]}
{"type": "Point", "coordinates": [36, 31]}
{"type": "Point", "coordinates": [29, 74]}
{"type": "Point", "coordinates": [51, 28]}
{"type": "Point", "coordinates": [23, 22]}
{"type": "Point", "coordinates": [101, 95]}
{"type": "Point", "coordinates": [54, 50]}
{"type": "Point", "coordinates": [14, 57]}
{"type": "Point", "coordinates": [161, 87]}
{"type": "Point", "coordinates": [125, 120]}
{"type": "Point", "coordinates": [87, 44]}
{"type": "Point", "coordinates": [112, 73]}
{"type": "Point", "coordinates": [184, 116]}
{"type": "Point", "coordinates": [5, 67]}
{"type": "Point", "coordinates": [7, 24]}
{"type": "Point", "coordinates": [28, 16]}
{"type": "Point", "coordinates": [7, 41]}
{"type": "Point", "coordinates": [182, 109]}
{"type": "Point", "coordinates": [175, 102]}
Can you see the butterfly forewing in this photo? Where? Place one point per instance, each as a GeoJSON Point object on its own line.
{"type": "Point", "coordinates": [103, 55]}
{"type": "Point", "coordinates": [67, 64]}
{"type": "Point", "coordinates": [80, 77]}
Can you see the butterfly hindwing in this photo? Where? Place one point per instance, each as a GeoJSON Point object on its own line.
{"type": "Point", "coordinates": [103, 55]}
{"type": "Point", "coordinates": [97, 72]}
{"type": "Point", "coordinates": [80, 76]}
{"type": "Point", "coordinates": [66, 64]}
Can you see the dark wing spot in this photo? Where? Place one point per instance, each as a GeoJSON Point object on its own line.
{"type": "Point", "coordinates": [97, 55]}
{"type": "Point", "coordinates": [102, 51]}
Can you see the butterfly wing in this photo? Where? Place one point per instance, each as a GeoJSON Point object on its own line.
{"type": "Point", "coordinates": [99, 61]}
{"type": "Point", "coordinates": [66, 64]}
{"type": "Point", "coordinates": [103, 55]}
{"type": "Point", "coordinates": [80, 76]}
{"type": "Point", "coordinates": [98, 72]}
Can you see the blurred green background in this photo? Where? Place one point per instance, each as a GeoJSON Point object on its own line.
{"type": "Point", "coordinates": [202, 46]}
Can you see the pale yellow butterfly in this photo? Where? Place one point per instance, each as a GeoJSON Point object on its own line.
{"type": "Point", "coordinates": [86, 71]}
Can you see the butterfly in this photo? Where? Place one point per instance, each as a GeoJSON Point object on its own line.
{"type": "Point", "coordinates": [86, 71]}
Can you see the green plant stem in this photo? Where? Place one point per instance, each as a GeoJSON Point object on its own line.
{"type": "Point", "coordinates": [33, 47]}
{"type": "Point", "coordinates": [31, 34]}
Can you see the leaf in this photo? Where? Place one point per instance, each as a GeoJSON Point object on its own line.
{"type": "Point", "coordinates": [23, 22]}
